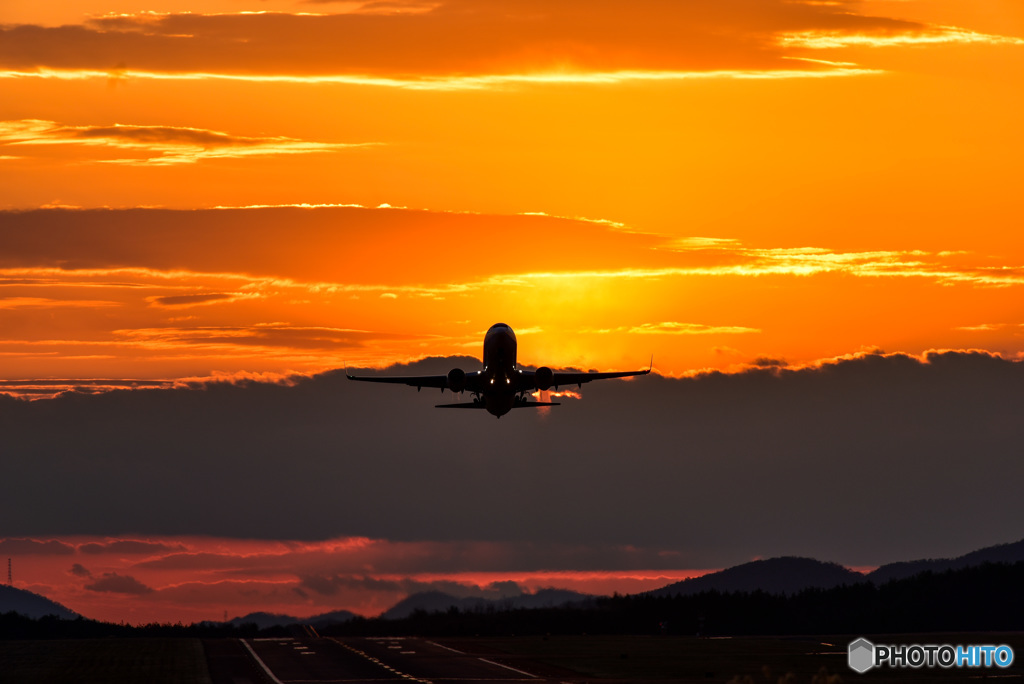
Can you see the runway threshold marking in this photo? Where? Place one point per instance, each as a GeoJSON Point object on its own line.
{"type": "Point", "coordinates": [262, 664]}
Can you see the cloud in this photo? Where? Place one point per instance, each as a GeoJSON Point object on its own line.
{"type": "Point", "coordinates": [79, 570]}
{"type": "Point", "coordinates": [256, 336]}
{"type": "Point", "coordinates": [334, 584]}
{"type": "Point", "coordinates": [46, 303]}
{"type": "Point", "coordinates": [152, 145]}
{"type": "Point", "coordinates": [676, 328]}
{"type": "Point", "coordinates": [51, 246]}
{"type": "Point", "coordinates": [326, 241]}
{"type": "Point", "coordinates": [111, 582]}
{"type": "Point", "coordinates": [720, 467]}
{"type": "Point", "coordinates": [932, 35]}
{"type": "Point", "coordinates": [49, 388]}
{"type": "Point", "coordinates": [396, 559]}
{"type": "Point", "coordinates": [456, 38]}
{"type": "Point", "coordinates": [190, 300]}
{"type": "Point", "coordinates": [129, 547]}
{"type": "Point", "coordinates": [34, 547]}
{"type": "Point", "coordinates": [767, 362]}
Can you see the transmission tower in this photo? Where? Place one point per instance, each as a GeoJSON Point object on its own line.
{"type": "Point", "coordinates": [10, 582]}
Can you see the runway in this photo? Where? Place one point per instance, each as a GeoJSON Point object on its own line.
{"type": "Point", "coordinates": [310, 660]}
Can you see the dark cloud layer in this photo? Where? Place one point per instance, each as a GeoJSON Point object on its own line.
{"type": "Point", "coordinates": [458, 37]}
{"type": "Point", "coordinates": [119, 584]}
{"type": "Point", "coordinates": [861, 461]}
{"type": "Point", "coordinates": [33, 547]}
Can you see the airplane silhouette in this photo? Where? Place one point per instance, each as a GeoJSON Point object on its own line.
{"type": "Point", "coordinates": [500, 386]}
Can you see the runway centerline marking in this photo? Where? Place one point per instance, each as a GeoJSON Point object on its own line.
{"type": "Point", "coordinates": [403, 675]}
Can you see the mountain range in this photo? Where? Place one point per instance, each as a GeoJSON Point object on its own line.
{"type": "Point", "coordinates": [791, 575]}
{"type": "Point", "coordinates": [438, 602]}
{"type": "Point", "coordinates": [786, 575]}
{"type": "Point", "coordinates": [1001, 553]}
{"type": "Point", "coordinates": [264, 620]}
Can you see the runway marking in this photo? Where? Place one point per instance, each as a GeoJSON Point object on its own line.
{"type": "Point", "coordinates": [507, 667]}
{"type": "Point", "coordinates": [446, 648]}
{"type": "Point", "coordinates": [403, 675]}
{"type": "Point", "coordinates": [262, 664]}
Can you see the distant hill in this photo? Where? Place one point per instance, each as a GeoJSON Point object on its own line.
{"type": "Point", "coordinates": [1001, 553]}
{"type": "Point", "coordinates": [31, 605]}
{"type": "Point", "coordinates": [439, 602]}
{"type": "Point", "coordinates": [265, 620]}
{"type": "Point", "coordinates": [786, 575]}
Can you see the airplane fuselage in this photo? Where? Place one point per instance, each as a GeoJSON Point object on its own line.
{"type": "Point", "coordinates": [499, 386]}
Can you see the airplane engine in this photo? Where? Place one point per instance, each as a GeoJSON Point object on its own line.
{"type": "Point", "coordinates": [456, 379]}
{"type": "Point", "coordinates": [544, 377]}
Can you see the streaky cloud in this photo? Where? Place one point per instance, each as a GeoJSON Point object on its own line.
{"type": "Point", "coordinates": [155, 145]}
{"type": "Point", "coordinates": [455, 44]}
{"type": "Point", "coordinates": [936, 35]}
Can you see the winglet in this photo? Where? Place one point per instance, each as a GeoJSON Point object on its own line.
{"type": "Point", "coordinates": [651, 367]}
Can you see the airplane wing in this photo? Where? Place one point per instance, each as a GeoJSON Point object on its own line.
{"type": "Point", "coordinates": [562, 379]}
{"type": "Point", "coordinates": [528, 379]}
{"type": "Point", "coordinates": [473, 383]}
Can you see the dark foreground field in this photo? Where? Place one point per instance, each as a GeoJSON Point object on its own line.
{"type": "Point", "coordinates": [817, 660]}
{"type": "Point", "coordinates": [106, 661]}
{"type": "Point", "coordinates": [577, 659]}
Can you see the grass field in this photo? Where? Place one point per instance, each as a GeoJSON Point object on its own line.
{"type": "Point", "coordinates": [103, 661]}
{"type": "Point", "coordinates": [746, 660]}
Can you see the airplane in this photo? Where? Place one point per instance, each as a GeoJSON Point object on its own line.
{"type": "Point", "coordinates": [501, 386]}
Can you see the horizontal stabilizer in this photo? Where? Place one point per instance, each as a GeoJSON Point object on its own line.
{"type": "Point", "coordinates": [468, 404]}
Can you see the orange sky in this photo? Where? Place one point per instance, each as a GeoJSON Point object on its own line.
{"type": "Point", "coordinates": [771, 179]}
{"type": "Point", "coordinates": [194, 189]}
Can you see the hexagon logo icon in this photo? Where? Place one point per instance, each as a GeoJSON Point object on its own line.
{"type": "Point", "coordinates": [861, 655]}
